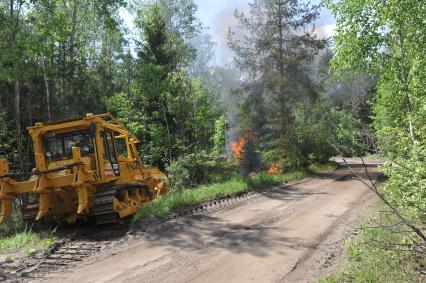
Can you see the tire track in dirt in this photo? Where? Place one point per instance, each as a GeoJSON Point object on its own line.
{"type": "Point", "coordinates": [280, 234]}
{"type": "Point", "coordinates": [85, 244]}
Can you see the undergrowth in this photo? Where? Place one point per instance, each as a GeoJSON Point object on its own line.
{"type": "Point", "coordinates": [28, 241]}
{"type": "Point", "coordinates": [385, 252]}
{"type": "Point", "coordinates": [321, 168]}
{"type": "Point", "coordinates": [235, 184]}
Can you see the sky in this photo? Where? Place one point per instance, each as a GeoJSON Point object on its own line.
{"type": "Point", "coordinates": [218, 15]}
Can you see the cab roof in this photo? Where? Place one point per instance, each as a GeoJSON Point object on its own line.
{"type": "Point", "coordinates": [107, 120]}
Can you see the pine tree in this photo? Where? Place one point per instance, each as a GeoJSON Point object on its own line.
{"type": "Point", "coordinates": [278, 43]}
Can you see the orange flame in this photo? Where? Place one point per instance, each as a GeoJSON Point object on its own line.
{"type": "Point", "coordinates": [274, 169]}
{"type": "Point", "coordinates": [238, 147]}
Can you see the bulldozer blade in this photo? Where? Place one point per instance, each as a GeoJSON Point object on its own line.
{"type": "Point", "coordinates": [6, 210]}
{"type": "Point", "coordinates": [44, 205]}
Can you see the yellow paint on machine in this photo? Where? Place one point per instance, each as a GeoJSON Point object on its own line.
{"type": "Point", "coordinates": [75, 160]}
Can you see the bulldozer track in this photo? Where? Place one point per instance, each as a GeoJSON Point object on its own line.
{"type": "Point", "coordinates": [151, 225]}
{"type": "Point", "coordinates": [86, 243]}
{"type": "Point", "coordinates": [69, 252]}
{"type": "Point", "coordinates": [104, 201]}
{"type": "Point", "coordinates": [29, 213]}
{"type": "Point", "coordinates": [104, 205]}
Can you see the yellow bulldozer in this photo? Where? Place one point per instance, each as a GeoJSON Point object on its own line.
{"type": "Point", "coordinates": [86, 167]}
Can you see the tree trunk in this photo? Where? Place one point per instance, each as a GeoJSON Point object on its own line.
{"type": "Point", "coordinates": [72, 51]}
{"type": "Point", "coordinates": [17, 97]}
{"type": "Point", "coordinates": [30, 122]}
{"type": "Point", "coordinates": [18, 124]}
{"type": "Point", "coordinates": [168, 129]}
{"type": "Point", "coordinates": [46, 84]}
{"type": "Point", "coordinates": [283, 99]}
{"type": "Point", "coordinates": [405, 80]}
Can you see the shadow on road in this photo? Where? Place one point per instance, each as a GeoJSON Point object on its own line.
{"type": "Point", "coordinates": [197, 232]}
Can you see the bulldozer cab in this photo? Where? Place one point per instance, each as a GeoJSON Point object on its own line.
{"type": "Point", "coordinates": [78, 164]}
{"type": "Point", "coordinates": [110, 160]}
{"type": "Point", "coordinates": [58, 150]}
{"type": "Point", "coordinates": [106, 147]}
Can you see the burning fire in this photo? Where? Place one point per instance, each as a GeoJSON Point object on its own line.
{"type": "Point", "coordinates": [274, 169]}
{"type": "Point", "coordinates": [238, 147]}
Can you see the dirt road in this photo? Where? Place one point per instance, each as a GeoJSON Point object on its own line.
{"type": "Point", "coordinates": [290, 233]}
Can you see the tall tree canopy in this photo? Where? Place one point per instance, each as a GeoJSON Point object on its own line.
{"type": "Point", "coordinates": [274, 50]}
{"type": "Point", "coordinates": [387, 39]}
{"type": "Point", "coordinates": [49, 53]}
{"type": "Point", "coordinates": [173, 113]}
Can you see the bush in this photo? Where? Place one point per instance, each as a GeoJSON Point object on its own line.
{"type": "Point", "coordinates": [219, 136]}
{"type": "Point", "coordinates": [406, 186]}
{"type": "Point", "coordinates": [250, 161]}
{"type": "Point", "coordinates": [29, 241]}
{"type": "Point", "coordinates": [14, 224]}
{"type": "Point", "coordinates": [199, 168]}
{"type": "Point", "coordinates": [178, 173]}
{"type": "Point", "coordinates": [318, 130]}
{"type": "Point", "coordinates": [313, 136]}
{"type": "Point", "coordinates": [384, 253]}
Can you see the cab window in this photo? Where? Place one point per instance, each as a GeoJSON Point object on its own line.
{"type": "Point", "coordinates": [81, 140]}
{"type": "Point", "coordinates": [121, 147]}
{"type": "Point", "coordinates": [60, 145]}
{"type": "Point", "coordinates": [54, 147]}
{"type": "Point", "coordinates": [109, 149]}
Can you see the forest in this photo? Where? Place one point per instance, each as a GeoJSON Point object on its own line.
{"type": "Point", "coordinates": [293, 98]}
{"type": "Point", "coordinates": [63, 59]}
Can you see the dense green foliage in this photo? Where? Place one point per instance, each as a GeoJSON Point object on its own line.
{"type": "Point", "coordinates": [61, 59]}
{"type": "Point", "coordinates": [288, 95]}
{"type": "Point", "coordinates": [195, 169]}
{"type": "Point", "coordinates": [219, 137]}
{"type": "Point", "coordinates": [372, 258]}
{"type": "Point", "coordinates": [387, 39]}
{"type": "Point", "coordinates": [173, 113]}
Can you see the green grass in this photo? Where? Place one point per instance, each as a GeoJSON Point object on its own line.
{"type": "Point", "coordinates": [264, 180]}
{"type": "Point", "coordinates": [28, 241]}
{"type": "Point", "coordinates": [376, 157]}
{"type": "Point", "coordinates": [320, 168]}
{"type": "Point", "coordinates": [236, 184]}
{"type": "Point", "coordinates": [380, 255]}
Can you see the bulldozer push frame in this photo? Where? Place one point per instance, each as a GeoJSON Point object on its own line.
{"type": "Point", "coordinates": [83, 167]}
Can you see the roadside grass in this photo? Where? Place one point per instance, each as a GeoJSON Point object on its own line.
{"type": "Point", "coordinates": [235, 184]}
{"type": "Point", "coordinates": [321, 168]}
{"type": "Point", "coordinates": [384, 253]}
{"type": "Point", "coordinates": [263, 179]}
{"type": "Point", "coordinates": [372, 157]}
{"type": "Point", "coordinates": [27, 241]}
{"type": "Point", "coordinates": [176, 199]}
